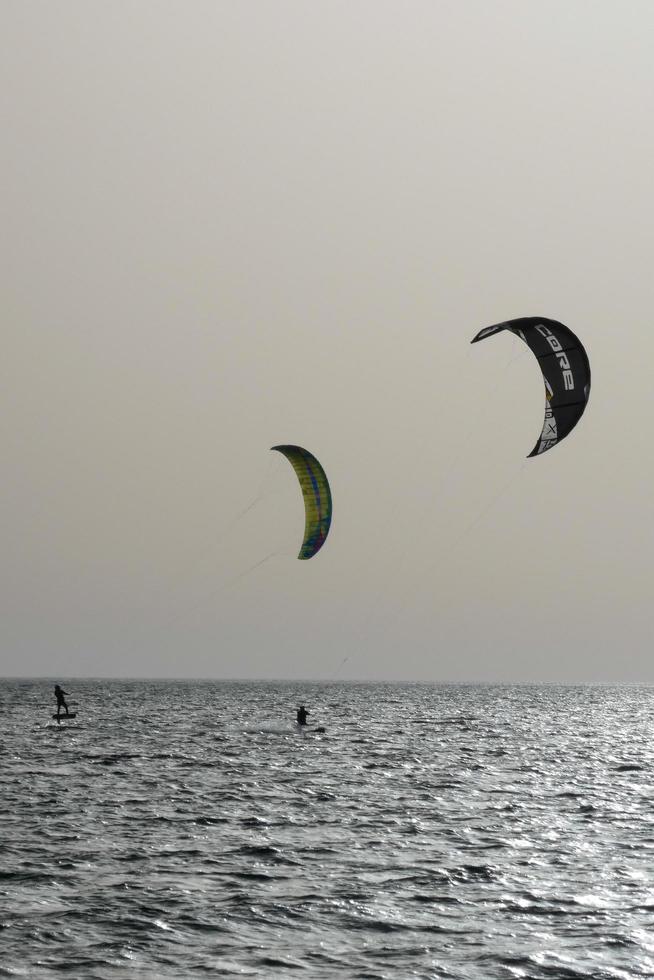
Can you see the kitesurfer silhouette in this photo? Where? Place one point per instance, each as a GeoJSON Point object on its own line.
{"type": "Point", "coordinates": [302, 715]}
{"type": "Point", "coordinates": [61, 701]}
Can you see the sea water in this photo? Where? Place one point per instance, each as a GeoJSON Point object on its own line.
{"type": "Point", "coordinates": [433, 831]}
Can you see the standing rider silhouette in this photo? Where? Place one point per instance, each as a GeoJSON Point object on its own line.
{"type": "Point", "coordinates": [61, 701]}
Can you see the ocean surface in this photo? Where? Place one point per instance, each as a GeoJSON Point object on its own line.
{"type": "Point", "coordinates": [434, 831]}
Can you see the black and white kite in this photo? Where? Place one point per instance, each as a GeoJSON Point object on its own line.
{"type": "Point", "coordinates": [566, 373]}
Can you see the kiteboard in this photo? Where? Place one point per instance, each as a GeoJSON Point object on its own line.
{"type": "Point", "coordinates": [73, 714]}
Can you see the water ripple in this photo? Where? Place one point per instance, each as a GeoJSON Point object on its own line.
{"type": "Point", "coordinates": [431, 832]}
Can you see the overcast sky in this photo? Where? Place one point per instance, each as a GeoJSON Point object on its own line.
{"type": "Point", "coordinates": [228, 225]}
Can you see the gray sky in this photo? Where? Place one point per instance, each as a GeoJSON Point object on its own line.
{"type": "Point", "coordinates": [231, 225]}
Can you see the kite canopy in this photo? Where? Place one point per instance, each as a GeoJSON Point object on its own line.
{"type": "Point", "coordinates": [566, 373]}
{"type": "Point", "coordinates": [317, 497]}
